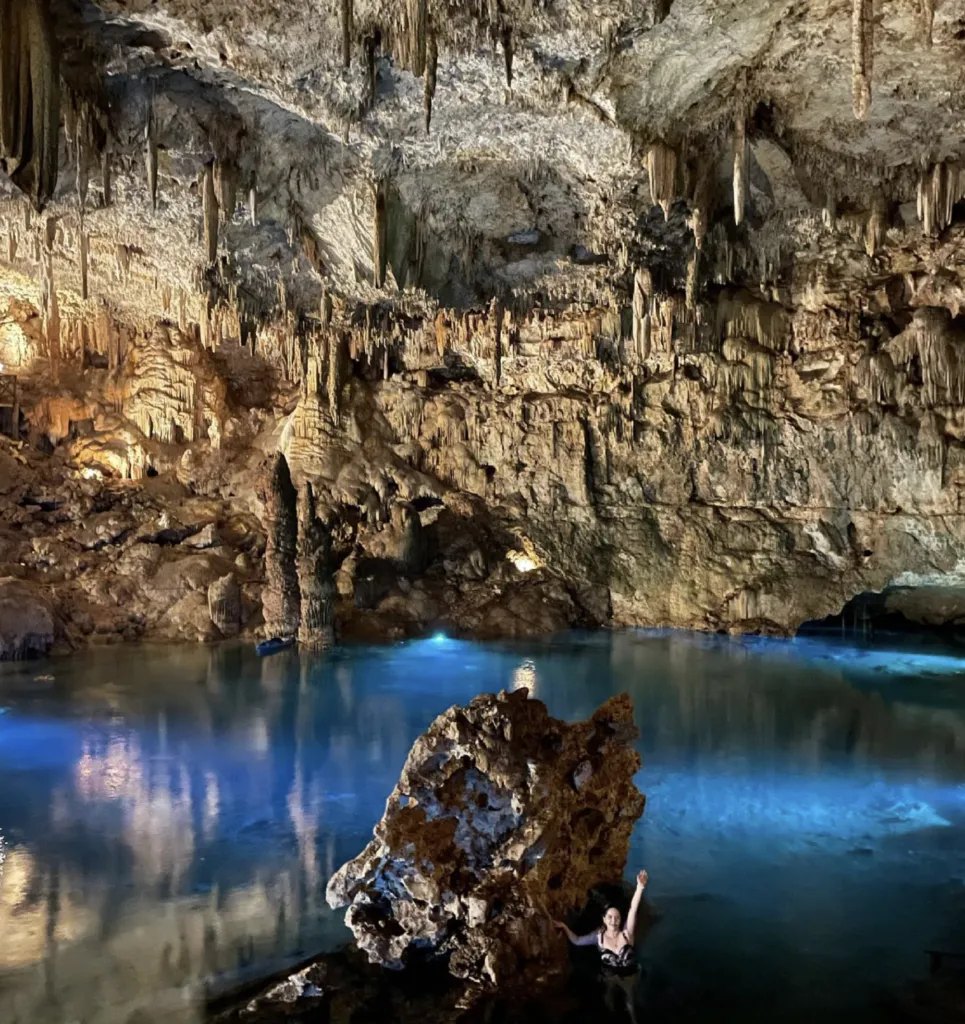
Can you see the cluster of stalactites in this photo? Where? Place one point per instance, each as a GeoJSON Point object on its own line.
{"type": "Point", "coordinates": [940, 187]}
{"type": "Point", "coordinates": [29, 97]}
{"type": "Point", "coordinates": [662, 172]}
{"type": "Point", "coordinates": [862, 56]}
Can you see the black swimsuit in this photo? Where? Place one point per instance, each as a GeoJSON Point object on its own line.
{"type": "Point", "coordinates": [624, 962]}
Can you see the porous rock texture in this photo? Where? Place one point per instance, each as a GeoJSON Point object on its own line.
{"type": "Point", "coordinates": [629, 311]}
{"type": "Point", "coordinates": [502, 816]}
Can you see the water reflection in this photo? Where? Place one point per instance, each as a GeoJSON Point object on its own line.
{"type": "Point", "coordinates": [172, 815]}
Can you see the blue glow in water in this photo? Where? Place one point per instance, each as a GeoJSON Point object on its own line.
{"type": "Point", "coordinates": [171, 816]}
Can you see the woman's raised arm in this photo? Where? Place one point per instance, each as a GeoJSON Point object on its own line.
{"type": "Point", "coordinates": [635, 905]}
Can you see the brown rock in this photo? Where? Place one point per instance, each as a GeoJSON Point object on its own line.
{"type": "Point", "coordinates": [503, 816]}
{"type": "Point", "coordinates": [315, 578]}
{"type": "Point", "coordinates": [26, 621]}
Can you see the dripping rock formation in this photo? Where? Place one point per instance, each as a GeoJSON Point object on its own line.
{"type": "Point", "coordinates": [502, 817]}
{"type": "Point", "coordinates": [635, 312]}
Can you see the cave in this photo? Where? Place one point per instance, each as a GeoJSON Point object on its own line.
{"type": "Point", "coordinates": [359, 359]}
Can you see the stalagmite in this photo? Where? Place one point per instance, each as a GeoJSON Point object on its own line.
{"type": "Point", "coordinates": [315, 575]}
{"type": "Point", "coordinates": [507, 39]}
{"type": "Point", "coordinates": [740, 167]}
{"type": "Point", "coordinates": [150, 155]}
{"type": "Point", "coordinates": [432, 63]}
{"type": "Point", "coordinates": [862, 56]}
{"type": "Point", "coordinates": [29, 98]}
{"type": "Point", "coordinates": [253, 206]}
{"type": "Point", "coordinates": [209, 209]}
{"type": "Point", "coordinates": [281, 603]}
{"type": "Point", "coordinates": [662, 171]}
{"type": "Point", "coordinates": [379, 254]}
{"type": "Point", "coordinates": [347, 17]}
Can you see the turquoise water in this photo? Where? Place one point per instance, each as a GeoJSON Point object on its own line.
{"type": "Point", "coordinates": [170, 816]}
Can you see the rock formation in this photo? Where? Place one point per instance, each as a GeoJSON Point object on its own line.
{"type": "Point", "coordinates": [667, 295]}
{"type": "Point", "coordinates": [281, 601]}
{"type": "Point", "coordinates": [26, 622]}
{"type": "Point", "coordinates": [315, 579]}
{"type": "Point", "coordinates": [502, 816]}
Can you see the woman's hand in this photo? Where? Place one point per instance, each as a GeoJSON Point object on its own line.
{"type": "Point", "coordinates": [642, 880]}
{"type": "Point", "coordinates": [558, 925]}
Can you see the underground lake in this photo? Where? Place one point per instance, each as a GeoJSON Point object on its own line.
{"type": "Point", "coordinates": [170, 815]}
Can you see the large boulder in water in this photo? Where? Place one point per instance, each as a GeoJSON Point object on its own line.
{"type": "Point", "coordinates": [502, 818]}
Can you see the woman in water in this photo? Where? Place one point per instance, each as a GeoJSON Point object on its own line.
{"type": "Point", "coordinates": [618, 959]}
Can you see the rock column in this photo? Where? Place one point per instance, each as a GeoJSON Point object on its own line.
{"type": "Point", "coordinates": [281, 601]}
{"type": "Point", "coordinates": [315, 578]}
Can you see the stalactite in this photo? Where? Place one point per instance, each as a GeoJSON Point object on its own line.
{"type": "Point", "coordinates": [315, 575]}
{"type": "Point", "coordinates": [740, 167]}
{"type": "Point", "coordinates": [875, 226]}
{"type": "Point", "coordinates": [82, 180]}
{"type": "Point", "coordinates": [940, 187]}
{"type": "Point", "coordinates": [507, 39]}
{"type": "Point", "coordinates": [209, 209]}
{"type": "Point", "coordinates": [106, 176]}
{"type": "Point", "coordinates": [417, 37]}
{"type": "Point", "coordinates": [862, 56]}
{"type": "Point", "coordinates": [693, 268]}
{"type": "Point", "coordinates": [497, 313]}
{"type": "Point", "coordinates": [253, 206]}
{"type": "Point", "coordinates": [29, 98]}
{"type": "Point", "coordinates": [84, 262]}
{"type": "Point", "coordinates": [347, 19]}
{"type": "Point", "coordinates": [150, 155]}
{"type": "Point", "coordinates": [642, 287]}
{"type": "Point", "coordinates": [432, 64]}
{"type": "Point", "coordinates": [662, 171]}
{"type": "Point", "coordinates": [336, 371]}
{"type": "Point", "coordinates": [928, 20]}
{"type": "Point", "coordinates": [369, 46]}
{"type": "Point", "coordinates": [226, 189]}
{"type": "Point", "coordinates": [379, 231]}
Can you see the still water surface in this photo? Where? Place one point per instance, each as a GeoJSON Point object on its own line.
{"type": "Point", "coordinates": [170, 816]}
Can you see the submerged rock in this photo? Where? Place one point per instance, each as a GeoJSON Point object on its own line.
{"type": "Point", "coordinates": [502, 818]}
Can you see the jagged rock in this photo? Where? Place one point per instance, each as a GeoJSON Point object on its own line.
{"type": "Point", "coordinates": [281, 598]}
{"type": "Point", "coordinates": [224, 605]}
{"type": "Point", "coordinates": [502, 816]}
{"type": "Point", "coordinates": [26, 621]}
{"type": "Point", "coordinates": [208, 537]}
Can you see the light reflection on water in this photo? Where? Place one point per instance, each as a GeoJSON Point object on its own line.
{"type": "Point", "coordinates": [171, 815]}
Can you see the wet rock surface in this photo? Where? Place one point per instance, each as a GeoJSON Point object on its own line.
{"type": "Point", "coordinates": [503, 817]}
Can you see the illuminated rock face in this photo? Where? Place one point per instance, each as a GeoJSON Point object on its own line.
{"type": "Point", "coordinates": [646, 294]}
{"type": "Point", "coordinates": [503, 816]}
